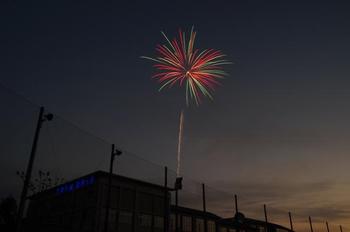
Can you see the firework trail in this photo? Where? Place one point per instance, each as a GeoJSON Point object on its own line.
{"type": "Point", "coordinates": [179, 145]}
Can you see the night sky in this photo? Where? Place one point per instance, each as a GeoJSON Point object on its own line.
{"type": "Point", "coordinates": [277, 131]}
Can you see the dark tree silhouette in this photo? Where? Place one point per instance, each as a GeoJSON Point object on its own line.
{"type": "Point", "coordinates": [42, 181]}
{"type": "Point", "coordinates": [8, 210]}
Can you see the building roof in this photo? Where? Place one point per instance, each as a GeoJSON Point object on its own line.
{"type": "Point", "coordinates": [201, 213]}
{"type": "Point", "coordinates": [252, 222]}
{"type": "Point", "coordinates": [116, 176]}
{"type": "Point", "coordinates": [98, 174]}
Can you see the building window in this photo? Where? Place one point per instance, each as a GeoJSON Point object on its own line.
{"type": "Point", "coordinates": [158, 222]}
{"type": "Point", "coordinates": [125, 221]}
{"type": "Point", "coordinates": [199, 225]}
{"type": "Point", "coordinates": [158, 205]}
{"type": "Point", "coordinates": [114, 197]}
{"type": "Point", "coordinates": [127, 199]}
{"type": "Point", "coordinates": [211, 226]}
{"type": "Point", "coordinates": [125, 217]}
{"type": "Point", "coordinates": [90, 195]}
{"type": "Point", "coordinates": [89, 219]}
{"type": "Point", "coordinates": [172, 222]}
{"type": "Point", "coordinates": [112, 220]}
{"type": "Point", "coordinates": [75, 221]}
{"type": "Point", "coordinates": [186, 224]}
{"type": "Point", "coordinates": [144, 223]}
{"type": "Point", "coordinates": [144, 202]}
{"type": "Point", "coordinates": [145, 220]}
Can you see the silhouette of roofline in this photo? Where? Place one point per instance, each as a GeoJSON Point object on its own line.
{"type": "Point", "coordinates": [251, 221]}
{"type": "Point", "coordinates": [97, 174]}
{"type": "Point", "coordinates": [194, 211]}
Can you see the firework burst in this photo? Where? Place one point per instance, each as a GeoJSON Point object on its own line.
{"type": "Point", "coordinates": [178, 62]}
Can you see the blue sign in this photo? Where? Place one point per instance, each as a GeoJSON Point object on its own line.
{"type": "Point", "coordinates": [80, 183]}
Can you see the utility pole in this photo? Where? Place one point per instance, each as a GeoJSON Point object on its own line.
{"type": "Point", "coordinates": [114, 152]}
{"type": "Point", "coordinates": [42, 118]}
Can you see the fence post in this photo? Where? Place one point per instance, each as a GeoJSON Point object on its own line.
{"type": "Point", "coordinates": [204, 209]}
{"type": "Point", "coordinates": [312, 230]}
{"type": "Point", "coordinates": [266, 221]}
{"type": "Point", "coordinates": [236, 204]}
{"type": "Point", "coordinates": [290, 221]}
{"type": "Point", "coordinates": [165, 225]}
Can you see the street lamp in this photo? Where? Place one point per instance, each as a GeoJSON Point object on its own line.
{"type": "Point", "coordinates": [42, 118]}
{"type": "Point", "coordinates": [114, 152]}
{"type": "Point", "coordinates": [177, 187]}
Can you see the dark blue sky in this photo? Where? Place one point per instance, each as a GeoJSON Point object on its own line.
{"type": "Point", "coordinates": [281, 117]}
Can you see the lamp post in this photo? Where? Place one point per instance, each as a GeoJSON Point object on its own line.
{"type": "Point", "coordinates": [114, 152]}
{"type": "Point", "coordinates": [42, 118]}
